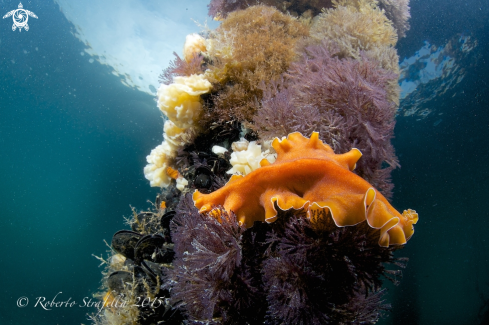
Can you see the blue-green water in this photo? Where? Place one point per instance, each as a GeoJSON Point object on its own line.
{"type": "Point", "coordinates": [73, 142]}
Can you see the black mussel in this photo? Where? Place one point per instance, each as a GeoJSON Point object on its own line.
{"type": "Point", "coordinates": [117, 280]}
{"type": "Point", "coordinates": [229, 131]}
{"type": "Point", "coordinates": [153, 248]}
{"type": "Point", "coordinates": [139, 273]}
{"type": "Point", "coordinates": [152, 270]}
{"type": "Point", "coordinates": [124, 241]}
{"type": "Point", "coordinates": [203, 177]}
{"type": "Point", "coordinates": [203, 168]}
{"type": "Point", "coordinates": [141, 278]}
{"type": "Point", "coordinates": [166, 255]}
{"type": "Point", "coordinates": [221, 165]}
{"type": "Point", "coordinates": [147, 247]}
{"type": "Point", "coordinates": [129, 264]}
{"type": "Point", "coordinates": [203, 181]}
{"type": "Point", "coordinates": [166, 218]}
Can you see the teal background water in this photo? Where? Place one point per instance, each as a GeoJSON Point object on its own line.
{"type": "Point", "coordinates": [73, 142]}
{"type": "Point", "coordinates": [70, 166]}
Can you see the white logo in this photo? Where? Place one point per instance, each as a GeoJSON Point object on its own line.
{"type": "Point", "coordinates": [20, 17]}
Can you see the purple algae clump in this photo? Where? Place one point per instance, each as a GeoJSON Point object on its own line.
{"type": "Point", "coordinates": [345, 100]}
{"type": "Point", "coordinates": [287, 272]}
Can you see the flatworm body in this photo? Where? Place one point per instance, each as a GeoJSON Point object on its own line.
{"type": "Point", "coordinates": [309, 175]}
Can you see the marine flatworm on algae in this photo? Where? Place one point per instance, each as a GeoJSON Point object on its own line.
{"type": "Point", "coordinates": [309, 175]}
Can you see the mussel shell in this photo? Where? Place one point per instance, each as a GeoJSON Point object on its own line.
{"type": "Point", "coordinates": [203, 177]}
{"type": "Point", "coordinates": [152, 270]}
{"type": "Point", "coordinates": [117, 279]}
{"type": "Point", "coordinates": [203, 170]}
{"type": "Point", "coordinates": [166, 218]}
{"type": "Point", "coordinates": [203, 181]}
{"type": "Point", "coordinates": [124, 241]}
{"type": "Point", "coordinates": [168, 257]}
{"type": "Point", "coordinates": [139, 273]}
{"type": "Point", "coordinates": [148, 247]}
{"type": "Point", "coordinates": [141, 278]}
{"type": "Point", "coordinates": [129, 264]}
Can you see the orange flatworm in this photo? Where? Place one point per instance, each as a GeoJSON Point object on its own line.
{"type": "Point", "coordinates": [309, 175]}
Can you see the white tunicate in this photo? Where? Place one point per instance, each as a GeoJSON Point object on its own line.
{"type": "Point", "coordinates": [248, 160]}
{"type": "Point", "coordinates": [181, 183]}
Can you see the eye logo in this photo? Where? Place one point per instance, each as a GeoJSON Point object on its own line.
{"type": "Point", "coordinates": [20, 17]}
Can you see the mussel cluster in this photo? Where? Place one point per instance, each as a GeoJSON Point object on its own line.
{"type": "Point", "coordinates": [144, 252]}
{"type": "Point", "coordinates": [205, 170]}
